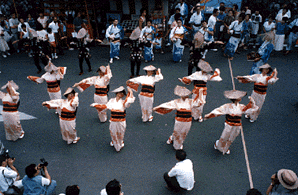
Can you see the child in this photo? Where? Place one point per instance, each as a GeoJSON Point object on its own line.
{"type": "Point", "coordinates": [157, 43]}
{"type": "Point", "coordinates": [281, 29]}
{"type": "Point", "coordinates": [52, 42]}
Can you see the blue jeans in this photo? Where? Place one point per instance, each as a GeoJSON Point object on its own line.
{"type": "Point", "coordinates": [50, 190]}
{"type": "Point", "coordinates": [292, 38]}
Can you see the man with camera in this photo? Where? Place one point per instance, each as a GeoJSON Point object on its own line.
{"type": "Point", "coordinates": [36, 184]}
{"type": "Point", "coordinates": [9, 176]}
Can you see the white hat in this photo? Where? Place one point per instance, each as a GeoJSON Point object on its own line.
{"type": "Point", "coordinates": [181, 91]}
{"type": "Point", "coordinates": [102, 69]}
{"type": "Point", "coordinates": [287, 178]}
{"type": "Point", "coordinates": [234, 94]}
{"type": "Point", "coordinates": [68, 91]}
{"type": "Point", "coordinates": [266, 66]}
{"type": "Point", "coordinates": [134, 35]}
{"type": "Point", "coordinates": [82, 33]}
{"type": "Point", "coordinates": [13, 86]}
{"type": "Point", "coordinates": [205, 66]}
{"type": "Point", "coordinates": [50, 67]}
{"type": "Point", "coordinates": [149, 68]}
{"type": "Point", "coordinates": [119, 89]}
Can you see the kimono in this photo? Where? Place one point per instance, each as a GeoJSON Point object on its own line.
{"type": "Point", "coordinates": [247, 28]}
{"type": "Point", "coordinates": [183, 117]}
{"type": "Point", "coordinates": [233, 113]}
{"type": "Point", "coordinates": [178, 33]}
{"type": "Point", "coordinates": [200, 82]}
{"type": "Point", "coordinates": [147, 34]}
{"type": "Point", "coordinates": [264, 51]}
{"type": "Point", "coordinates": [183, 9]}
{"type": "Point", "coordinates": [260, 90]}
{"type": "Point", "coordinates": [10, 114]}
{"type": "Point", "coordinates": [53, 82]}
{"type": "Point", "coordinates": [101, 90]}
{"type": "Point", "coordinates": [146, 95]}
{"type": "Point", "coordinates": [196, 20]}
{"type": "Point", "coordinates": [67, 117]}
{"type": "Point", "coordinates": [235, 38]}
{"type": "Point", "coordinates": [118, 34]}
{"type": "Point", "coordinates": [256, 20]}
{"type": "Point", "coordinates": [117, 120]}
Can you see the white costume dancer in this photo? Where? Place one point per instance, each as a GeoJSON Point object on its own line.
{"type": "Point", "coordinates": [68, 108]}
{"type": "Point", "coordinates": [200, 79]}
{"type": "Point", "coordinates": [10, 114]}
{"type": "Point", "coordinates": [117, 121]}
{"type": "Point", "coordinates": [100, 83]}
{"type": "Point", "coordinates": [146, 95]}
{"type": "Point", "coordinates": [233, 112]}
{"type": "Point", "coordinates": [260, 87]}
{"type": "Point", "coordinates": [183, 115]}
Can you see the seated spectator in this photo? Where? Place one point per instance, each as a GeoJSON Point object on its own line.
{"type": "Point", "coordinates": [269, 25]}
{"type": "Point", "coordinates": [36, 184]}
{"type": "Point", "coordinates": [24, 41]}
{"type": "Point", "coordinates": [72, 190]}
{"type": "Point", "coordinates": [43, 20]}
{"type": "Point", "coordinates": [253, 192]}
{"type": "Point", "coordinates": [181, 176]}
{"type": "Point", "coordinates": [4, 48]}
{"type": "Point", "coordinates": [112, 188]}
{"type": "Point", "coordinates": [21, 19]}
{"type": "Point", "coordinates": [288, 180]}
{"type": "Point", "coordinates": [8, 175]}
{"type": "Point", "coordinates": [31, 21]}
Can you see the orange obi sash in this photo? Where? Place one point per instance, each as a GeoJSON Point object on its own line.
{"type": "Point", "coordinates": [68, 115]}
{"type": "Point", "coordinates": [199, 83]}
{"type": "Point", "coordinates": [183, 115]}
{"type": "Point", "coordinates": [147, 90]}
{"type": "Point", "coordinates": [10, 107]}
{"type": "Point", "coordinates": [260, 88]}
{"type": "Point", "coordinates": [118, 116]}
{"type": "Point", "coordinates": [101, 91]}
{"type": "Point", "coordinates": [179, 36]}
{"type": "Point", "coordinates": [53, 86]}
{"type": "Point", "coordinates": [233, 120]}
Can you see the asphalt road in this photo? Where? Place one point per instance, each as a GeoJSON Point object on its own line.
{"type": "Point", "coordinates": [92, 163]}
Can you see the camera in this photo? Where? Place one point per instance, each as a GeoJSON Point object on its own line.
{"type": "Point", "coordinates": [43, 163]}
{"type": "Point", "coordinates": [7, 156]}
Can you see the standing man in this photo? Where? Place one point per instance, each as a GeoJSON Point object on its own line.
{"type": "Point", "coordinates": [114, 33]}
{"type": "Point", "coordinates": [77, 22]}
{"type": "Point", "coordinates": [183, 9]}
{"type": "Point", "coordinates": [181, 176]}
{"type": "Point", "coordinates": [42, 20]}
{"type": "Point", "coordinates": [13, 23]}
{"type": "Point", "coordinates": [212, 20]}
{"type": "Point", "coordinates": [54, 25]}
{"type": "Point", "coordinates": [219, 26]}
{"type": "Point", "coordinates": [196, 19]}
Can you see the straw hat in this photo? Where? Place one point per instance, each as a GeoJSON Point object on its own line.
{"type": "Point", "coordinates": [68, 91]}
{"type": "Point", "coordinates": [149, 68]}
{"type": "Point", "coordinates": [12, 84]}
{"type": "Point", "coordinates": [181, 91]}
{"type": "Point", "coordinates": [266, 66]}
{"type": "Point", "coordinates": [198, 39]}
{"type": "Point", "coordinates": [134, 35]}
{"type": "Point", "coordinates": [287, 178]}
{"type": "Point", "coordinates": [101, 69]}
{"type": "Point", "coordinates": [119, 89]}
{"type": "Point", "coordinates": [234, 94]}
{"type": "Point", "coordinates": [269, 36]}
{"type": "Point", "coordinates": [205, 66]}
{"type": "Point", "coordinates": [82, 33]}
{"type": "Point", "coordinates": [50, 67]}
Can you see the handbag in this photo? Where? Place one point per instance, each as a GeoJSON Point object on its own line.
{"type": "Point", "coordinates": [12, 189]}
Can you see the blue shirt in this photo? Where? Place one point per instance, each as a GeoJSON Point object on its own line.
{"type": "Point", "coordinates": [221, 16]}
{"type": "Point", "coordinates": [281, 29]}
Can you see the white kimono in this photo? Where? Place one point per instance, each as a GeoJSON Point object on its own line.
{"type": "Point", "coordinates": [146, 95]}
{"type": "Point", "coordinates": [117, 120]}
{"type": "Point", "coordinates": [101, 91]}
{"type": "Point", "coordinates": [67, 110]}
{"type": "Point", "coordinates": [11, 118]}
{"type": "Point", "coordinates": [200, 80]}
{"type": "Point", "coordinates": [260, 90]}
{"type": "Point", "coordinates": [177, 33]}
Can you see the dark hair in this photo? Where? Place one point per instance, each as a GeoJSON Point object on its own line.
{"type": "Point", "coordinates": [2, 158]}
{"type": "Point", "coordinates": [271, 17]}
{"type": "Point", "coordinates": [142, 10]}
{"type": "Point", "coordinates": [247, 15]}
{"type": "Point", "coordinates": [233, 100]}
{"type": "Point", "coordinates": [222, 3]}
{"type": "Point", "coordinates": [177, 16]}
{"type": "Point", "coordinates": [38, 26]}
{"type": "Point", "coordinates": [285, 19]}
{"type": "Point", "coordinates": [113, 187]}
{"type": "Point", "coordinates": [242, 16]}
{"type": "Point", "coordinates": [49, 30]}
{"type": "Point", "coordinates": [177, 9]}
{"type": "Point", "coordinates": [231, 10]}
{"type": "Point", "coordinates": [30, 170]}
{"type": "Point", "coordinates": [149, 21]}
{"type": "Point", "coordinates": [180, 155]}
{"type": "Point", "coordinates": [253, 192]}
{"type": "Point", "coordinates": [215, 11]}
{"type": "Point", "coordinates": [72, 190]}
{"type": "Point", "coordinates": [123, 91]}
{"type": "Point", "coordinates": [23, 26]}
{"type": "Point", "coordinates": [204, 21]}
{"type": "Point", "coordinates": [236, 6]}
{"type": "Point", "coordinates": [222, 8]}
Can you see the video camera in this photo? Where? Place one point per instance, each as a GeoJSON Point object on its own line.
{"type": "Point", "coordinates": [43, 163]}
{"type": "Point", "coordinates": [7, 156]}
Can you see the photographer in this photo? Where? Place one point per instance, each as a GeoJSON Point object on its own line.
{"type": "Point", "coordinates": [288, 180]}
{"type": "Point", "coordinates": [8, 176]}
{"type": "Point", "coordinates": [36, 184]}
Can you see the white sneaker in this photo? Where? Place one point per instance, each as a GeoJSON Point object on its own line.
{"type": "Point", "coordinates": [246, 116]}
{"type": "Point", "coordinates": [170, 140]}
{"type": "Point", "coordinates": [111, 143]}
{"type": "Point", "coordinates": [216, 144]}
{"type": "Point", "coordinates": [71, 49]}
{"type": "Point", "coordinates": [201, 119]}
{"type": "Point", "coordinates": [228, 152]}
{"type": "Point", "coordinates": [22, 135]}
{"type": "Point", "coordinates": [150, 118]}
{"type": "Point", "coordinates": [251, 120]}
{"type": "Point", "coordinates": [168, 44]}
{"type": "Point", "coordinates": [214, 49]}
{"type": "Point", "coordinates": [122, 145]}
{"type": "Point", "coordinates": [111, 60]}
{"type": "Point", "coordinates": [180, 60]}
{"type": "Point", "coordinates": [8, 53]}
{"type": "Point", "coordinates": [117, 58]}
{"type": "Point", "coordinates": [146, 61]}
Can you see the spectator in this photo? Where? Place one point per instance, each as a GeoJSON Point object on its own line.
{"type": "Point", "coordinates": [288, 180]}
{"type": "Point", "coordinates": [227, 22]}
{"type": "Point", "coordinates": [281, 15]}
{"type": "Point", "coordinates": [51, 18]}
{"type": "Point", "coordinates": [293, 35]}
{"type": "Point", "coordinates": [219, 23]}
{"type": "Point", "coordinates": [31, 22]}
{"type": "Point", "coordinates": [172, 18]}
{"type": "Point", "coordinates": [24, 41]}
{"type": "Point", "coordinates": [77, 22]}
{"type": "Point", "coordinates": [54, 25]}
{"type": "Point", "coordinates": [52, 41]}
{"type": "Point", "coordinates": [13, 23]}
{"type": "Point", "coordinates": [196, 19]}
{"type": "Point", "coordinates": [236, 13]}
{"type": "Point", "coordinates": [269, 25]}
{"type": "Point", "coordinates": [21, 19]}
{"type": "Point", "coordinates": [253, 192]}
{"type": "Point", "coordinates": [281, 30]}
{"type": "Point", "coordinates": [183, 9]}
{"type": "Point", "coordinates": [246, 27]}
{"type": "Point", "coordinates": [285, 6]}
{"type": "Point", "coordinates": [212, 20]}
{"type": "Point", "coordinates": [36, 184]}
{"type": "Point", "coordinates": [72, 190]}
{"type": "Point", "coordinates": [112, 188]}
{"type": "Point", "coordinates": [3, 44]}
{"type": "Point", "coordinates": [247, 11]}
{"type": "Point", "coordinates": [256, 19]}
{"type": "Point", "coordinates": [181, 176]}
{"type": "Point", "coordinates": [42, 20]}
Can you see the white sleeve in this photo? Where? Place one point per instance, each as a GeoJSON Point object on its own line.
{"type": "Point", "coordinates": [10, 173]}
{"type": "Point", "coordinates": [172, 33]}
{"type": "Point", "coordinates": [192, 20]}
{"type": "Point", "coordinates": [10, 22]}
{"type": "Point", "coordinates": [103, 192]}
{"type": "Point", "coordinates": [45, 181]}
{"type": "Point", "coordinates": [173, 172]}
{"type": "Point", "coordinates": [107, 32]}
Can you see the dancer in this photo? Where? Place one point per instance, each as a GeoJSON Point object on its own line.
{"type": "Point", "coordinates": [10, 113]}
{"type": "Point", "coordinates": [52, 76]}
{"type": "Point", "coordinates": [100, 83]}
{"type": "Point", "coordinates": [68, 108]}
{"type": "Point", "coordinates": [183, 115]}
{"type": "Point", "coordinates": [263, 54]}
{"type": "Point", "coordinates": [147, 36]}
{"type": "Point", "coordinates": [117, 121]}
{"type": "Point", "coordinates": [233, 112]}
{"type": "Point", "coordinates": [136, 50]}
{"type": "Point", "coordinates": [176, 37]}
{"type": "Point", "coordinates": [200, 78]}
{"type": "Point", "coordinates": [114, 33]}
{"type": "Point", "coordinates": [147, 92]}
{"type": "Point", "coordinates": [260, 87]}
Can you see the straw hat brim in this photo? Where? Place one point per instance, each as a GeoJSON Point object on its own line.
{"type": "Point", "coordinates": [280, 179]}
{"type": "Point", "coordinates": [234, 94]}
{"type": "Point", "coordinates": [181, 91]}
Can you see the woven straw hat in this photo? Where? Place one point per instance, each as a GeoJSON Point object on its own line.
{"type": "Point", "coordinates": [266, 66]}
{"type": "Point", "coordinates": [149, 68]}
{"type": "Point", "coordinates": [287, 178]}
{"type": "Point", "coordinates": [134, 35]}
{"type": "Point", "coordinates": [50, 67]}
{"type": "Point", "coordinates": [68, 91]}
{"type": "Point", "coordinates": [205, 66]}
{"type": "Point", "coordinates": [82, 33]}
{"type": "Point", "coordinates": [119, 89]}
{"type": "Point", "coordinates": [234, 94]}
{"type": "Point", "coordinates": [13, 85]}
{"type": "Point", "coordinates": [101, 69]}
{"type": "Point", "coordinates": [198, 39]}
{"type": "Point", "coordinates": [181, 91]}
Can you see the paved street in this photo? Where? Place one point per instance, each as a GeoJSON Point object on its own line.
{"type": "Point", "coordinates": [92, 163]}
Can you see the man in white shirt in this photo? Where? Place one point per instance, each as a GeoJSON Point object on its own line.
{"type": "Point", "coordinates": [21, 23]}
{"type": "Point", "coordinates": [183, 9]}
{"type": "Point", "coordinates": [288, 12]}
{"type": "Point", "coordinates": [197, 18]}
{"type": "Point", "coordinates": [181, 176]}
{"type": "Point", "coordinates": [54, 25]}
{"type": "Point", "coordinates": [42, 20]}
{"type": "Point", "coordinates": [212, 20]}
{"type": "Point", "coordinates": [112, 188]}
{"type": "Point", "coordinates": [13, 23]}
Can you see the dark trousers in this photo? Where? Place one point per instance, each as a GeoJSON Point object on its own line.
{"type": "Point", "coordinates": [36, 61]}
{"type": "Point", "coordinates": [132, 67]}
{"type": "Point", "coordinates": [172, 183]}
{"type": "Point", "coordinates": [81, 59]}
